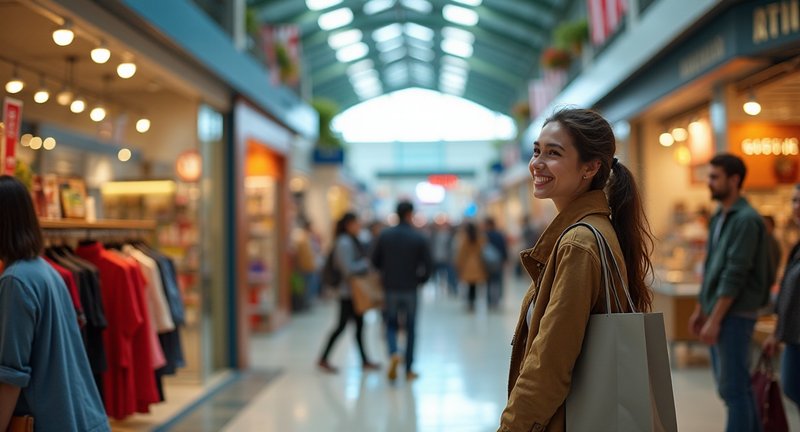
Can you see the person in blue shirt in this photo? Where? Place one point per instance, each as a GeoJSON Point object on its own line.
{"type": "Point", "coordinates": [44, 370]}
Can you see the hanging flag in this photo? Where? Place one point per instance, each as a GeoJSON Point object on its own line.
{"type": "Point", "coordinates": [281, 45]}
{"type": "Point", "coordinates": [605, 17]}
{"type": "Point", "coordinates": [12, 116]}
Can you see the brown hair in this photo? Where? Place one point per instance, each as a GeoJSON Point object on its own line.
{"type": "Point", "coordinates": [594, 140]}
{"type": "Point", "coordinates": [20, 234]}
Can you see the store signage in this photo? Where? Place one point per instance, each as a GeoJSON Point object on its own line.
{"type": "Point", "coordinates": [771, 146]}
{"type": "Point", "coordinates": [702, 58]}
{"type": "Point", "coordinates": [328, 156]}
{"type": "Point", "coordinates": [189, 166]}
{"type": "Point", "coordinates": [448, 181]}
{"type": "Point", "coordinates": [776, 20]}
{"type": "Point", "coordinates": [12, 117]}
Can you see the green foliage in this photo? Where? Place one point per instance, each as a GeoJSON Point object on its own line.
{"type": "Point", "coordinates": [251, 24]}
{"type": "Point", "coordinates": [571, 35]}
{"type": "Point", "coordinates": [327, 110]}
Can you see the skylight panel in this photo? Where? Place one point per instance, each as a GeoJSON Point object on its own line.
{"type": "Point", "coordinates": [316, 5]}
{"type": "Point", "coordinates": [420, 32]}
{"type": "Point", "coordinates": [458, 34]}
{"type": "Point", "coordinates": [373, 7]}
{"type": "Point", "coordinates": [457, 48]}
{"type": "Point", "coordinates": [344, 38]}
{"type": "Point", "coordinates": [421, 6]}
{"type": "Point", "coordinates": [352, 52]}
{"type": "Point", "coordinates": [460, 15]}
{"type": "Point", "coordinates": [335, 19]}
{"type": "Point", "coordinates": [385, 33]}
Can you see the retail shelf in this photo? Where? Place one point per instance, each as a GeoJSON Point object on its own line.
{"type": "Point", "coordinates": [99, 224]}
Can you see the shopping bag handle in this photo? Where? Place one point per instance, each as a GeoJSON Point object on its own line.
{"type": "Point", "coordinates": [608, 272]}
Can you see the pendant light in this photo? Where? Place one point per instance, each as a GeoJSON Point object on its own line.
{"type": "Point", "coordinates": [64, 35]}
{"type": "Point", "coordinates": [15, 84]}
{"type": "Point", "coordinates": [752, 107]}
{"type": "Point", "coordinates": [143, 125]}
{"type": "Point", "coordinates": [42, 95]}
{"type": "Point", "coordinates": [101, 54]}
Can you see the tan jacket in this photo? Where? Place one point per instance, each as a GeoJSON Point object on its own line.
{"type": "Point", "coordinates": [469, 262]}
{"type": "Point", "coordinates": [566, 290]}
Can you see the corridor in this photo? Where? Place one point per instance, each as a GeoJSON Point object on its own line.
{"type": "Point", "coordinates": [462, 361]}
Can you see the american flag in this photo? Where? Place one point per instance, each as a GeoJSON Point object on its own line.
{"type": "Point", "coordinates": [604, 18]}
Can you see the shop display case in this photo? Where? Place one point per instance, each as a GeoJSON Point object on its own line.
{"type": "Point", "coordinates": [262, 259]}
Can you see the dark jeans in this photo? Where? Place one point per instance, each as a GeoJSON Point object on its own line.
{"type": "Point", "coordinates": [401, 305]}
{"type": "Point", "coordinates": [346, 313]}
{"type": "Point", "coordinates": [790, 372]}
{"type": "Point", "coordinates": [729, 358]}
{"type": "Point", "coordinates": [494, 288]}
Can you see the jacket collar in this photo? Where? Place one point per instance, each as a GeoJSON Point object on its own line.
{"type": "Point", "coordinates": [740, 204]}
{"type": "Point", "coordinates": [592, 202]}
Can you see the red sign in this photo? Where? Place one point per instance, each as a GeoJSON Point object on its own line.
{"type": "Point", "coordinates": [12, 116]}
{"type": "Point", "coordinates": [448, 181]}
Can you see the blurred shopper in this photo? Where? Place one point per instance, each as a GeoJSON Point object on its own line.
{"type": "Point", "coordinates": [469, 262]}
{"type": "Point", "coordinates": [494, 283]}
{"type": "Point", "coordinates": [306, 260]}
{"type": "Point", "coordinates": [403, 258]}
{"type": "Point", "coordinates": [573, 163]}
{"type": "Point", "coordinates": [44, 371]}
{"type": "Point", "coordinates": [442, 252]}
{"type": "Point", "coordinates": [530, 235]}
{"type": "Point", "coordinates": [349, 259]}
{"type": "Point", "coordinates": [774, 248]}
{"type": "Point", "coordinates": [787, 329]}
{"type": "Point", "coordinates": [374, 231]}
{"type": "Point", "coordinates": [735, 286]}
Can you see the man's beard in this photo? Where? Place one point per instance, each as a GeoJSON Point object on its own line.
{"type": "Point", "coordinates": [720, 195]}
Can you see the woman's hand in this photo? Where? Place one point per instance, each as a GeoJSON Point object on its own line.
{"type": "Point", "coordinates": [770, 346]}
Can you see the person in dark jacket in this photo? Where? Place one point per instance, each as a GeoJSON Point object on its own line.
{"type": "Point", "coordinates": [403, 258]}
{"type": "Point", "coordinates": [494, 284]}
{"type": "Point", "coordinates": [787, 329]}
{"type": "Point", "coordinates": [735, 286]}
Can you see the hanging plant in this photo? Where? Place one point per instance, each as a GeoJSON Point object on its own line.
{"type": "Point", "coordinates": [521, 111]}
{"type": "Point", "coordinates": [327, 110]}
{"type": "Point", "coordinates": [555, 58]}
{"type": "Point", "coordinates": [572, 35]}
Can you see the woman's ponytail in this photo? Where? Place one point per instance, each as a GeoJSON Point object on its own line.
{"type": "Point", "coordinates": [633, 232]}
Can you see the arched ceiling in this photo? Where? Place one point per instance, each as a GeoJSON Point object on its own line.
{"type": "Point", "coordinates": [416, 43]}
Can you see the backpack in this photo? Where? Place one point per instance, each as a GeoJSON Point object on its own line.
{"type": "Point", "coordinates": [492, 260]}
{"type": "Point", "coordinates": [331, 276]}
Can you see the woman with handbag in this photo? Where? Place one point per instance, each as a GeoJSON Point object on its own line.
{"type": "Point", "coordinates": [469, 264]}
{"type": "Point", "coordinates": [44, 370]}
{"type": "Point", "coordinates": [349, 260]}
{"type": "Point", "coordinates": [573, 164]}
{"type": "Point", "coordinates": [787, 328]}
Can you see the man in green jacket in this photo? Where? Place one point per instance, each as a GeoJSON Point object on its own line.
{"type": "Point", "coordinates": [735, 286]}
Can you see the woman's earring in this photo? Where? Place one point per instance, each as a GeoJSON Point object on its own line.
{"type": "Point", "coordinates": [584, 176]}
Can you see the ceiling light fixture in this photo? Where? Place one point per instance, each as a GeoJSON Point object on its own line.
{"type": "Point", "coordinates": [752, 107]}
{"type": "Point", "coordinates": [78, 105]}
{"type": "Point", "coordinates": [470, 2]}
{"type": "Point", "coordinates": [373, 7]}
{"type": "Point", "coordinates": [460, 15]}
{"type": "Point", "coordinates": [335, 19]}
{"type": "Point", "coordinates": [42, 95]}
{"type": "Point", "coordinates": [49, 143]}
{"type": "Point", "coordinates": [420, 31]}
{"type": "Point", "coordinates": [344, 38]}
{"type": "Point", "coordinates": [124, 155]}
{"type": "Point", "coordinates": [387, 32]}
{"type": "Point", "coordinates": [666, 139]}
{"type": "Point", "coordinates": [64, 96]}
{"type": "Point", "coordinates": [143, 125]}
{"type": "Point", "coordinates": [64, 35]}
{"type": "Point", "coordinates": [457, 48]}
{"type": "Point", "coordinates": [352, 52]}
{"type": "Point", "coordinates": [126, 69]}
{"type": "Point", "coordinates": [98, 113]}
{"type": "Point", "coordinates": [421, 6]}
{"type": "Point", "coordinates": [680, 134]}
{"type": "Point", "coordinates": [15, 84]}
{"type": "Point", "coordinates": [316, 5]}
{"type": "Point", "coordinates": [35, 143]}
{"type": "Point", "coordinates": [101, 54]}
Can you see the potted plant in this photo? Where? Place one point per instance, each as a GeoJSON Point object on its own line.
{"type": "Point", "coordinates": [329, 148]}
{"type": "Point", "coordinates": [555, 58]}
{"type": "Point", "coordinates": [572, 35]}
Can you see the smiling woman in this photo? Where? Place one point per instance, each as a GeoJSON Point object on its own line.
{"type": "Point", "coordinates": [415, 115]}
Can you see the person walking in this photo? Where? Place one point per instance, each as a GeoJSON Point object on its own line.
{"type": "Point", "coordinates": [44, 369]}
{"type": "Point", "coordinates": [787, 328]}
{"type": "Point", "coordinates": [735, 286]}
{"type": "Point", "coordinates": [403, 258]}
{"type": "Point", "coordinates": [494, 283]}
{"type": "Point", "coordinates": [441, 251]}
{"type": "Point", "coordinates": [573, 164]}
{"type": "Point", "coordinates": [349, 259]}
{"type": "Point", "coordinates": [469, 262]}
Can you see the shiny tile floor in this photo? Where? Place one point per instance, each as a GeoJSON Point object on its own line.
{"type": "Point", "coordinates": [462, 359]}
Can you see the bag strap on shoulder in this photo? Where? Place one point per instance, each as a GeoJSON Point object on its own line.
{"type": "Point", "coordinates": [607, 270]}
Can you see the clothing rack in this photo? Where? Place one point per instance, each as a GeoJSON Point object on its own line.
{"type": "Point", "coordinates": [74, 228]}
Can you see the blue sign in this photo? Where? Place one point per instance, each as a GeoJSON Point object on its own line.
{"type": "Point", "coordinates": [328, 156]}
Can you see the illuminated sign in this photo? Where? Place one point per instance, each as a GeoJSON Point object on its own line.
{"type": "Point", "coordinates": [771, 146]}
{"type": "Point", "coordinates": [447, 181]}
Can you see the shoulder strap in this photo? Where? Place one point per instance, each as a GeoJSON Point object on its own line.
{"type": "Point", "coordinates": [607, 270]}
